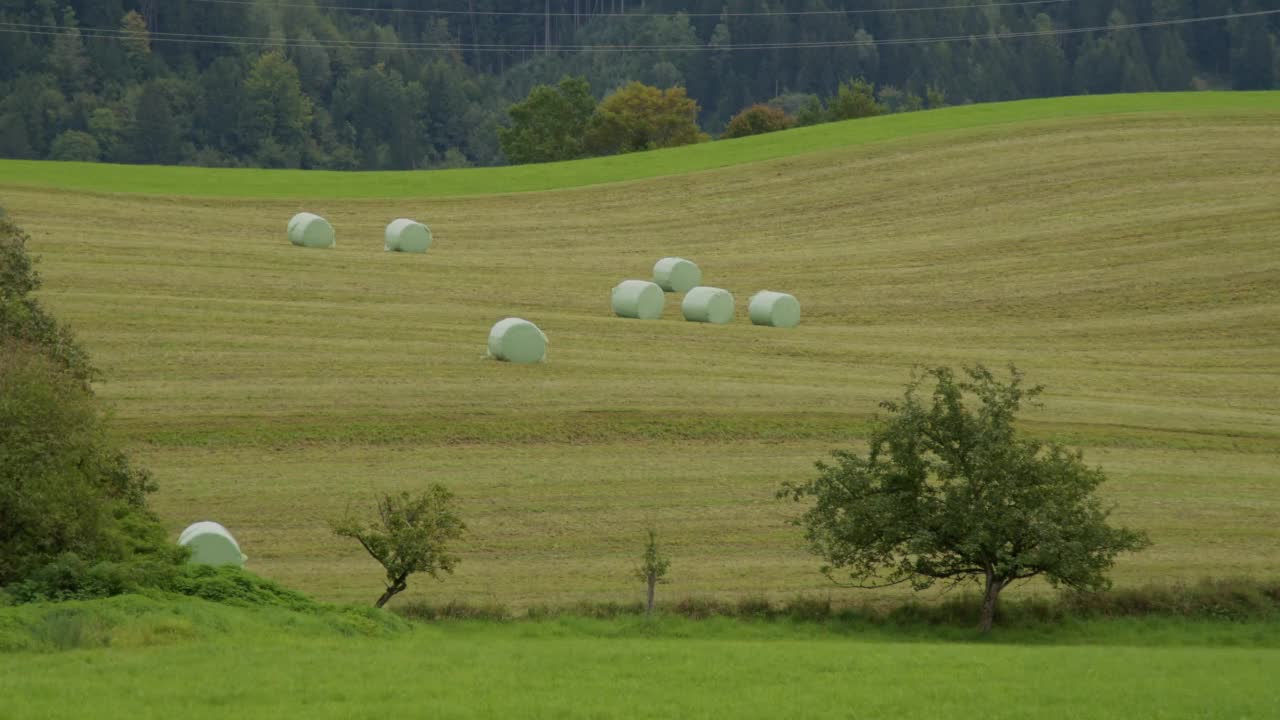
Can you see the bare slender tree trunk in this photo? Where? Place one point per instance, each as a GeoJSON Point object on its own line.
{"type": "Point", "coordinates": [990, 599]}
{"type": "Point", "coordinates": [653, 584]}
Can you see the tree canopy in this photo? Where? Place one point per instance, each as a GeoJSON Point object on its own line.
{"type": "Point", "coordinates": [66, 488]}
{"type": "Point", "coordinates": [642, 117]}
{"type": "Point", "coordinates": [550, 123]}
{"type": "Point", "coordinates": [410, 534]}
{"type": "Point", "coordinates": [949, 492]}
{"type": "Point", "coordinates": [758, 119]}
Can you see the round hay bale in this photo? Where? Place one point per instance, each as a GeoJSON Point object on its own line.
{"type": "Point", "coordinates": [310, 230]}
{"type": "Point", "coordinates": [518, 341]}
{"type": "Point", "coordinates": [774, 309]}
{"type": "Point", "coordinates": [708, 304]}
{"type": "Point", "coordinates": [211, 544]}
{"type": "Point", "coordinates": [409, 236]}
{"type": "Point", "coordinates": [638, 299]}
{"type": "Point", "coordinates": [674, 274]}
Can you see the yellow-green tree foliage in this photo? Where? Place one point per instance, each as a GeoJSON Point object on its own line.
{"type": "Point", "coordinates": [642, 117]}
{"type": "Point", "coordinates": [758, 119]}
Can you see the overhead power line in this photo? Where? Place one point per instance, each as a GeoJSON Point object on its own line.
{"type": "Point", "coordinates": [192, 38]}
{"type": "Point", "coordinates": [615, 15]}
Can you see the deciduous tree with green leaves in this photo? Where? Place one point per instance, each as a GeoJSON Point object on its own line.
{"type": "Point", "coordinates": [65, 485]}
{"type": "Point", "coordinates": [949, 492]}
{"type": "Point", "coordinates": [642, 117]}
{"type": "Point", "coordinates": [854, 99]}
{"type": "Point", "coordinates": [411, 534]}
{"type": "Point", "coordinates": [756, 120]}
{"type": "Point", "coordinates": [549, 124]}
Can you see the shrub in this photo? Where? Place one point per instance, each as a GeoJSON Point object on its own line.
{"type": "Point", "coordinates": [232, 585]}
{"type": "Point", "coordinates": [854, 99]}
{"type": "Point", "coordinates": [452, 610]}
{"type": "Point", "coordinates": [74, 145]}
{"type": "Point", "coordinates": [641, 117]}
{"type": "Point", "coordinates": [64, 486]}
{"type": "Point", "coordinates": [757, 120]}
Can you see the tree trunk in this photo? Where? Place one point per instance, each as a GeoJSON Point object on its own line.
{"type": "Point", "coordinates": [989, 601]}
{"type": "Point", "coordinates": [392, 590]}
{"type": "Point", "coordinates": [653, 583]}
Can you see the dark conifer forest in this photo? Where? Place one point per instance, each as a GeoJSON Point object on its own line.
{"type": "Point", "coordinates": [403, 84]}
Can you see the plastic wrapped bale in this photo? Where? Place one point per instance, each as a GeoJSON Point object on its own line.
{"type": "Point", "coordinates": [409, 236]}
{"type": "Point", "coordinates": [674, 274]}
{"type": "Point", "coordinates": [518, 341]}
{"type": "Point", "coordinates": [211, 544]}
{"type": "Point", "coordinates": [774, 309]}
{"type": "Point", "coordinates": [310, 230]}
{"type": "Point", "coordinates": [638, 299]}
{"type": "Point", "coordinates": [708, 304]}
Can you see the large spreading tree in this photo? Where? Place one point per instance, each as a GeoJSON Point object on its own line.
{"type": "Point", "coordinates": [950, 492]}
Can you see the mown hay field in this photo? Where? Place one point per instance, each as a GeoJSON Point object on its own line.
{"type": "Point", "coordinates": [1129, 261]}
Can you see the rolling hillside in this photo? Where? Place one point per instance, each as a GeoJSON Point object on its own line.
{"type": "Point", "coordinates": [1121, 250]}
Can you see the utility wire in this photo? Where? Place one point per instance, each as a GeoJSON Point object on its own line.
{"type": "Point", "coordinates": [562, 14]}
{"type": "Point", "coordinates": [190, 38]}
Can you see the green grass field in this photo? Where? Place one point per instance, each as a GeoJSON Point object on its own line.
{"type": "Point", "coordinates": [1121, 250]}
{"type": "Point", "coordinates": [486, 181]}
{"type": "Point", "coordinates": [207, 661]}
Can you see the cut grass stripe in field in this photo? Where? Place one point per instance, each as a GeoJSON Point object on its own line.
{"type": "Point", "coordinates": [220, 182]}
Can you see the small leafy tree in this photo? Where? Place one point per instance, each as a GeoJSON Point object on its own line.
{"type": "Point", "coordinates": [549, 124]}
{"type": "Point", "coordinates": [934, 97]}
{"type": "Point", "coordinates": [74, 145]}
{"type": "Point", "coordinates": [757, 120]}
{"type": "Point", "coordinates": [854, 99]}
{"type": "Point", "coordinates": [641, 117]}
{"type": "Point", "coordinates": [948, 492]}
{"type": "Point", "coordinates": [411, 534]}
{"type": "Point", "coordinates": [653, 569]}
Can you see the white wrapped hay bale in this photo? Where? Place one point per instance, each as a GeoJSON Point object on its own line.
{"type": "Point", "coordinates": [211, 544]}
{"type": "Point", "coordinates": [774, 309]}
{"type": "Point", "coordinates": [311, 230]}
{"type": "Point", "coordinates": [518, 341]}
{"type": "Point", "coordinates": [708, 304]}
{"type": "Point", "coordinates": [638, 299]}
{"type": "Point", "coordinates": [675, 274]}
{"type": "Point", "coordinates": [406, 235]}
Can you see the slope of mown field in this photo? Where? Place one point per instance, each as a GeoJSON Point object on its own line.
{"type": "Point", "coordinates": [206, 182]}
{"type": "Point", "coordinates": [1128, 260]}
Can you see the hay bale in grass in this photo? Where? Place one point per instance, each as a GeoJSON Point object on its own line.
{"type": "Point", "coordinates": [311, 230]}
{"type": "Point", "coordinates": [406, 235]}
{"type": "Point", "coordinates": [211, 544]}
{"type": "Point", "coordinates": [674, 274]}
{"type": "Point", "coordinates": [518, 341]}
{"type": "Point", "coordinates": [708, 304]}
{"type": "Point", "coordinates": [774, 309]}
{"type": "Point", "coordinates": [638, 299]}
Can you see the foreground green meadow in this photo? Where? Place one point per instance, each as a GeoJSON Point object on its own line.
{"type": "Point", "coordinates": [1121, 250]}
{"type": "Point", "coordinates": [200, 660]}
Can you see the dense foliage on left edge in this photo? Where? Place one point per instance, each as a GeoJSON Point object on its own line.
{"type": "Point", "coordinates": [73, 512]}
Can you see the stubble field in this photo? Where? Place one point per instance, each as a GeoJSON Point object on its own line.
{"type": "Point", "coordinates": [1128, 261]}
